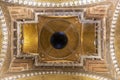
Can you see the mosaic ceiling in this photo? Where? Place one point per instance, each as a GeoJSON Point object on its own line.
{"type": "Point", "coordinates": [59, 40]}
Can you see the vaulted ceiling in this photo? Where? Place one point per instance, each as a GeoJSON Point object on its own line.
{"type": "Point", "coordinates": [59, 40]}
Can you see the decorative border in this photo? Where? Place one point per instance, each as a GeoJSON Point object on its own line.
{"type": "Point", "coordinates": [52, 4]}
{"type": "Point", "coordinates": [81, 19]}
{"type": "Point", "coordinates": [112, 38]}
{"type": "Point", "coordinates": [24, 75]}
{"type": "Point", "coordinates": [5, 38]}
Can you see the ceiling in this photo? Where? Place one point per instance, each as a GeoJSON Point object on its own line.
{"type": "Point", "coordinates": [90, 26]}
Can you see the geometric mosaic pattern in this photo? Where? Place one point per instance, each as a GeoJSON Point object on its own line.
{"type": "Point", "coordinates": [94, 22]}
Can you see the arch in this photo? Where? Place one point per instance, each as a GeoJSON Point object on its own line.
{"type": "Point", "coordinates": [53, 4]}
{"type": "Point", "coordinates": [89, 75]}
{"type": "Point", "coordinates": [4, 45]}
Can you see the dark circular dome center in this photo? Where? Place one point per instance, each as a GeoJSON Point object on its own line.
{"type": "Point", "coordinates": [59, 40]}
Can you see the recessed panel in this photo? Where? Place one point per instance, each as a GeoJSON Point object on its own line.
{"type": "Point", "coordinates": [89, 39]}
{"type": "Point", "coordinates": [67, 33]}
{"type": "Point", "coordinates": [30, 38]}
